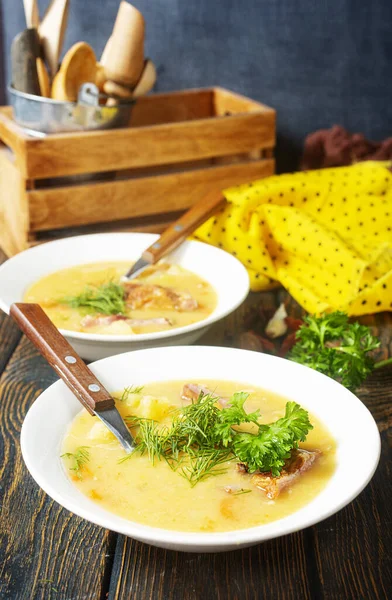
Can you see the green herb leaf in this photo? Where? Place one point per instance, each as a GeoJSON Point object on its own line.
{"type": "Point", "coordinates": [132, 389]}
{"type": "Point", "coordinates": [205, 464]}
{"type": "Point", "coordinates": [106, 299]}
{"type": "Point", "coordinates": [272, 446]}
{"type": "Point", "coordinates": [79, 459]}
{"type": "Point", "coordinates": [201, 437]}
{"type": "Point", "coordinates": [234, 414]}
{"type": "Point", "coordinates": [335, 347]}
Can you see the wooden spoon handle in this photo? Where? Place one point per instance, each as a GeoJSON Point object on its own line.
{"type": "Point", "coordinates": [34, 322]}
{"type": "Point", "coordinates": [178, 231]}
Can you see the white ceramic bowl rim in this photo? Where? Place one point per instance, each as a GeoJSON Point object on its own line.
{"type": "Point", "coordinates": [223, 260]}
{"type": "Point", "coordinates": [324, 397]}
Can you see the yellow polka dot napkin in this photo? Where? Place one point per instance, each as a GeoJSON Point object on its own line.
{"type": "Point", "coordinates": [325, 235]}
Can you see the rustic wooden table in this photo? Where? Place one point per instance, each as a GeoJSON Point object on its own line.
{"type": "Point", "coordinates": [47, 553]}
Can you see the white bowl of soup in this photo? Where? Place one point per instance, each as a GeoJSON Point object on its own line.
{"type": "Point", "coordinates": [180, 501]}
{"type": "Point", "coordinates": [78, 282]}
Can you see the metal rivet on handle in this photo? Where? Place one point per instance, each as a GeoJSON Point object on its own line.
{"type": "Point", "coordinates": [71, 360]}
{"type": "Point", "coordinates": [93, 387]}
{"type": "Point", "coordinates": [178, 227]}
{"type": "Point", "coordinates": [156, 246]}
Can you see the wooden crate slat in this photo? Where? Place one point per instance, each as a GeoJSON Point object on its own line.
{"type": "Point", "coordinates": [178, 146]}
{"type": "Point", "coordinates": [186, 105]}
{"type": "Point", "coordinates": [225, 101]}
{"type": "Point", "coordinates": [157, 225]}
{"type": "Point", "coordinates": [55, 208]}
{"type": "Point", "coordinates": [13, 206]}
{"type": "Point", "coordinates": [71, 154]}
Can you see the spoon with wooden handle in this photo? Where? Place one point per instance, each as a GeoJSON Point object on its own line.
{"type": "Point", "coordinates": [90, 392]}
{"type": "Point", "coordinates": [174, 235]}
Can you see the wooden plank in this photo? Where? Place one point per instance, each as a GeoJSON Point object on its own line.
{"type": "Point", "coordinates": [97, 151]}
{"type": "Point", "coordinates": [9, 338]}
{"type": "Point", "coordinates": [13, 206]}
{"type": "Point", "coordinates": [13, 136]}
{"type": "Point", "coordinates": [226, 102]}
{"type": "Point", "coordinates": [46, 551]}
{"type": "Point", "coordinates": [145, 225]}
{"type": "Point", "coordinates": [115, 200]}
{"type": "Point", "coordinates": [275, 570]}
{"type": "Point", "coordinates": [173, 107]}
{"type": "Point", "coordinates": [9, 333]}
{"type": "Point", "coordinates": [353, 547]}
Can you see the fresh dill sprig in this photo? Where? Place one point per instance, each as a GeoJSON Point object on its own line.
{"type": "Point", "coordinates": [106, 299]}
{"type": "Point", "coordinates": [205, 464]}
{"type": "Point", "coordinates": [202, 437]}
{"type": "Point", "coordinates": [80, 458]}
{"type": "Point", "coordinates": [132, 389]}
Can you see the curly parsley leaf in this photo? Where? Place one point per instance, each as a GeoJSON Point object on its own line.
{"type": "Point", "coordinates": [272, 446]}
{"type": "Point", "coordinates": [335, 347]}
{"type": "Point", "coordinates": [201, 438]}
{"type": "Point", "coordinates": [234, 414]}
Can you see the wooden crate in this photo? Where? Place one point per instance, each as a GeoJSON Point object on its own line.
{"type": "Point", "coordinates": [178, 146]}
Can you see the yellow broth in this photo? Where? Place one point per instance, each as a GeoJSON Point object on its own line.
{"type": "Point", "coordinates": [157, 496]}
{"type": "Point", "coordinates": [52, 289]}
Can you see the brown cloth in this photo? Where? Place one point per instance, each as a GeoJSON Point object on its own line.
{"type": "Point", "coordinates": [336, 147]}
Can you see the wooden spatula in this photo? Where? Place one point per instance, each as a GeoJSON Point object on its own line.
{"type": "Point", "coordinates": [178, 232]}
{"type": "Point", "coordinates": [52, 32]}
{"type": "Point", "coordinates": [31, 13]}
{"type": "Point", "coordinates": [123, 57]}
{"type": "Point", "coordinates": [90, 392]}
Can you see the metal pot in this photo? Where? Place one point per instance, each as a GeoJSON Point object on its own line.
{"type": "Point", "coordinates": [40, 116]}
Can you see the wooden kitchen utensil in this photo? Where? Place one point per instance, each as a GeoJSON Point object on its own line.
{"type": "Point", "coordinates": [79, 66]}
{"type": "Point", "coordinates": [90, 392]}
{"type": "Point", "coordinates": [31, 13]}
{"type": "Point", "coordinates": [43, 78]}
{"type": "Point", "coordinates": [143, 86]}
{"type": "Point", "coordinates": [25, 50]}
{"type": "Point", "coordinates": [114, 89]}
{"type": "Point", "coordinates": [174, 235]}
{"type": "Point", "coordinates": [147, 79]}
{"type": "Point", "coordinates": [100, 76]}
{"type": "Point", "coordinates": [105, 51]}
{"type": "Point", "coordinates": [52, 32]}
{"type": "Point", "coordinates": [124, 56]}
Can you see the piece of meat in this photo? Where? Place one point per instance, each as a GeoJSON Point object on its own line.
{"type": "Point", "coordinates": [105, 320]}
{"type": "Point", "coordinates": [101, 320]}
{"type": "Point", "coordinates": [154, 321]}
{"type": "Point", "coordinates": [299, 462]}
{"type": "Point", "coordinates": [191, 392]}
{"type": "Point", "coordinates": [140, 295]}
{"type": "Point", "coordinates": [241, 468]}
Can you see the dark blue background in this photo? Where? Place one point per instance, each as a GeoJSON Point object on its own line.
{"type": "Point", "coordinates": [317, 62]}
